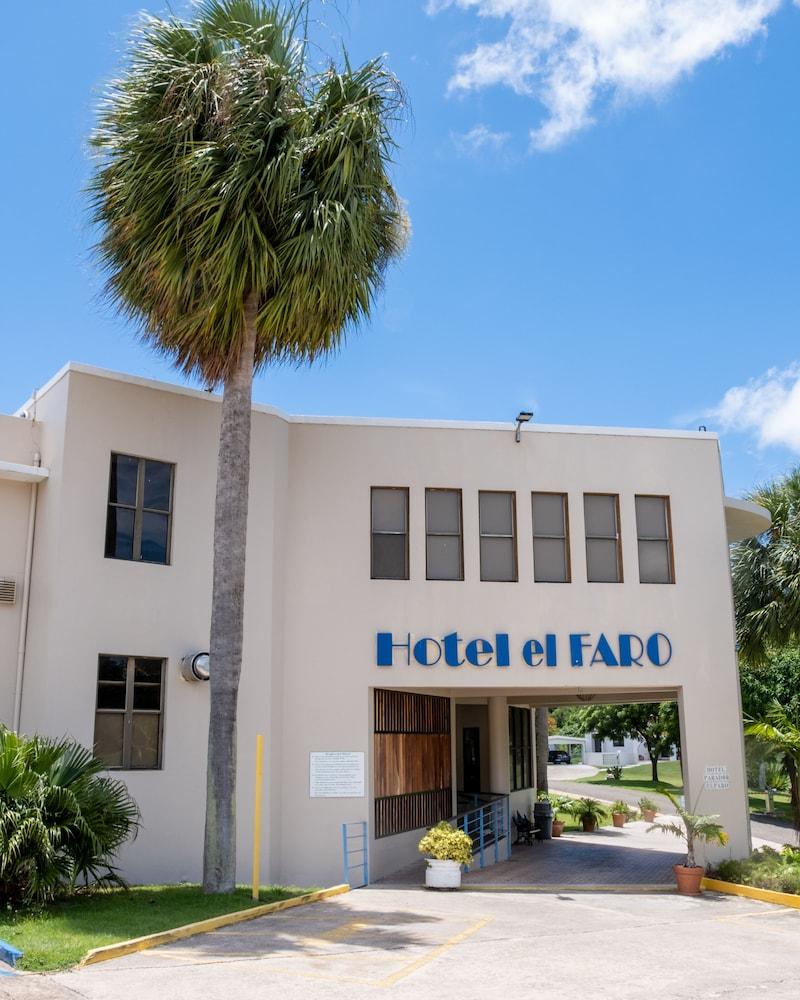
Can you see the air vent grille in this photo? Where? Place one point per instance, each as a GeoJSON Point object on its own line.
{"type": "Point", "coordinates": [8, 590]}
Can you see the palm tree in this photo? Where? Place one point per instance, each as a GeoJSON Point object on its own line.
{"type": "Point", "coordinates": [706, 829]}
{"type": "Point", "coordinates": [766, 574]}
{"type": "Point", "coordinates": [781, 732]}
{"type": "Point", "coordinates": [247, 218]}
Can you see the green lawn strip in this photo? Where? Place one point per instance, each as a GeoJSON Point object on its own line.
{"type": "Point", "coordinates": [60, 935]}
{"type": "Point", "coordinates": [638, 779]}
{"type": "Point", "coordinates": [758, 804]}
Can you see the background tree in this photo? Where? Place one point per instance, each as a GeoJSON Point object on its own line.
{"type": "Point", "coordinates": [781, 732]}
{"type": "Point", "coordinates": [766, 574]}
{"type": "Point", "coordinates": [542, 730]}
{"type": "Point", "coordinates": [247, 217]}
{"type": "Point", "coordinates": [656, 725]}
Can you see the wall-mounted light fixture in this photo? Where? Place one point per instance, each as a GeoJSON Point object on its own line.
{"type": "Point", "coordinates": [196, 667]}
{"type": "Point", "coordinates": [522, 418]}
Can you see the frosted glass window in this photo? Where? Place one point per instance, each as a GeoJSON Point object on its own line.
{"type": "Point", "coordinates": [550, 538]}
{"type": "Point", "coordinates": [497, 518]}
{"type": "Point", "coordinates": [655, 543]}
{"type": "Point", "coordinates": [444, 541]}
{"type": "Point", "coordinates": [129, 712]}
{"type": "Point", "coordinates": [389, 533]}
{"type": "Point", "coordinates": [603, 552]}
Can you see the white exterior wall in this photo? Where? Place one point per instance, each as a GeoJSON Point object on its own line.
{"type": "Point", "coordinates": [312, 611]}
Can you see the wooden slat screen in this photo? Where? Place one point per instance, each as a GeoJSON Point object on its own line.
{"type": "Point", "coordinates": [413, 776]}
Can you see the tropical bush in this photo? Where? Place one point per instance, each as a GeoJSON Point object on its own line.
{"type": "Point", "coordinates": [445, 843]}
{"type": "Point", "coordinates": [587, 809]}
{"type": "Point", "coordinates": [622, 809]}
{"type": "Point", "coordinates": [559, 803]}
{"type": "Point", "coordinates": [765, 869]}
{"type": "Point", "coordinates": [61, 822]}
{"type": "Point", "coordinates": [695, 828]}
{"type": "Point", "coordinates": [614, 773]}
{"type": "Point", "coordinates": [647, 805]}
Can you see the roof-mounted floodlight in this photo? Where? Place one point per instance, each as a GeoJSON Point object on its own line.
{"type": "Point", "coordinates": [196, 667]}
{"type": "Point", "coordinates": [522, 418]}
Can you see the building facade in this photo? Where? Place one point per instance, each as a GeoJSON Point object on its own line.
{"type": "Point", "coordinates": [414, 590]}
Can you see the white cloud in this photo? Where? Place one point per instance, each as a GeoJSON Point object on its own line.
{"type": "Point", "coordinates": [480, 138]}
{"type": "Point", "coordinates": [768, 406]}
{"type": "Point", "coordinates": [568, 54]}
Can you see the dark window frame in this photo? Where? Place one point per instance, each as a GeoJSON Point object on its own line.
{"type": "Point", "coordinates": [513, 536]}
{"type": "Point", "coordinates": [617, 538]}
{"type": "Point", "coordinates": [565, 537]}
{"type": "Point", "coordinates": [407, 532]}
{"type": "Point", "coordinates": [446, 534]}
{"type": "Point", "coordinates": [650, 538]}
{"type": "Point", "coordinates": [520, 748]}
{"type": "Point", "coordinates": [139, 509]}
{"type": "Point", "coordinates": [128, 712]}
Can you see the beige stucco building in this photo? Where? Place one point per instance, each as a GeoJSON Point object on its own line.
{"type": "Point", "coordinates": [538, 551]}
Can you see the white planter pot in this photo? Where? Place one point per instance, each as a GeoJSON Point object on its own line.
{"type": "Point", "coordinates": [443, 874]}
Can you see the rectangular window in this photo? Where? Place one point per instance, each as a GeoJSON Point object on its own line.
{"type": "Point", "coordinates": [653, 530]}
{"type": "Point", "coordinates": [498, 531]}
{"type": "Point", "coordinates": [139, 521]}
{"type": "Point", "coordinates": [389, 533]}
{"type": "Point", "coordinates": [603, 549]}
{"type": "Point", "coordinates": [443, 535]}
{"type": "Point", "coordinates": [519, 749]}
{"type": "Point", "coordinates": [550, 538]}
{"type": "Point", "coordinates": [129, 712]}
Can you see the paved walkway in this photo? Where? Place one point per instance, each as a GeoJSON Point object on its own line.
{"type": "Point", "coordinates": [415, 945]}
{"type": "Point", "coordinates": [609, 857]}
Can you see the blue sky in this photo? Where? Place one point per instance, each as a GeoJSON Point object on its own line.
{"type": "Point", "coordinates": [604, 201]}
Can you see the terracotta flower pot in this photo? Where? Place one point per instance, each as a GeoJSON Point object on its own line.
{"type": "Point", "coordinates": [618, 819]}
{"type": "Point", "coordinates": [688, 879]}
{"type": "Point", "coordinates": [558, 827]}
{"type": "Point", "coordinates": [648, 815]}
{"type": "Point", "coordinates": [589, 824]}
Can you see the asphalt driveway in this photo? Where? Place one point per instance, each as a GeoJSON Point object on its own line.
{"type": "Point", "coordinates": [413, 944]}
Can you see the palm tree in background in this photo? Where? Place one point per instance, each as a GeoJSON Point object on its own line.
{"type": "Point", "coordinates": [781, 732]}
{"type": "Point", "coordinates": [247, 217]}
{"type": "Point", "coordinates": [766, 574]}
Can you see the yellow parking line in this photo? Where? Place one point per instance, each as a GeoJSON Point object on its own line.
{"type": "Point", "coordinates": [434, 953]}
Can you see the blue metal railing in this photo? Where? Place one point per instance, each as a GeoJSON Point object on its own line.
{"type": "Point", "coordinates": [355, 852]}
{"type": "Point", "coordinates": [487, 823]}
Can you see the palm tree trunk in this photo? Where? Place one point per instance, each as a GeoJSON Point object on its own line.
{"type": "Point", "coordinates": [227, 613]}
{"type": "Point", "coordinates": [541, 720]}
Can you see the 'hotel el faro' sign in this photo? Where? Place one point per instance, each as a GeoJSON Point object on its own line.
{"type": "Point", "coordinates": [578, 649]}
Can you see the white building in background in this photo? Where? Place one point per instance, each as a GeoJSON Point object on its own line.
{"type": "Point", "coordinates": [603, 751]}
{"type": "Point", "coordinates": [414, 590]}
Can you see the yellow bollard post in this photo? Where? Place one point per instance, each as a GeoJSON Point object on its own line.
{"type": "Point", "coordinates": [257, 815]}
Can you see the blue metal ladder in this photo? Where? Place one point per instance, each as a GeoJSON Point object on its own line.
{"type": "Point", "coordinates": [355, 852]}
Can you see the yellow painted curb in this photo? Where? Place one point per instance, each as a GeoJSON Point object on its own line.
{"type": "Point", "coordinates": [121, 948]}
{"type": "Point", "coordinates": [751, 892]}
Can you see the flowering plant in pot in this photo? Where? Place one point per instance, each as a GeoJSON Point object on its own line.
{"type": "Point", "coordinates": [706, 829]}
{"type": "Point", "coordinates": [447, 849]}
{"type": "Point", "coordinates": [620, 813]}
{"type": "Point", "coordinates": [649, 809]}
{"type": "Point", "coordinates": [560, 804]}
{"type": "Point", "coordinates": [589, 811]}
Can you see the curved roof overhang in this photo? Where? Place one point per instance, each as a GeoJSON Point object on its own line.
{"type": "Point", "coordinates": [745, 519]}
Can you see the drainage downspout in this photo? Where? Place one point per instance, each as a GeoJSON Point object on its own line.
{"type": "Point", "coordinates": [26, 592]}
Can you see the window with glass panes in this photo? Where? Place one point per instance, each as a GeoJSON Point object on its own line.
{"type": "Point", "coordinates": [443, 535]}
{"type": "Point", "coordinates": [653, 530]}
{"type": "Point", "coordinates": [129, 712]}
{"type": "Point", "coordinates": [550, 538]}
{"type": "Point", "coordinates": [498, 533]}
{"type": "Point", "coordinates": [138, 524]}
{"type": "Point", "coordinates": [603, 550]}
{"type": "Point", "coordinates": [519, 749]}
{"type": "Point", "coordinates": [389, 533]}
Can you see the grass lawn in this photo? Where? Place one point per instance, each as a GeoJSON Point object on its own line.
{"type": "Point", "coordinates": [758, 803]}
{"type": "Point", "coordinates": [638, 778]}
{"type": "Point", "coordinates": [60, 935]}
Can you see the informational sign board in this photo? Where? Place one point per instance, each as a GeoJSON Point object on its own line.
{"type": "Point", "coordinates": [336, 774]}
{"type": "Point", "coordinates": [716, 777]}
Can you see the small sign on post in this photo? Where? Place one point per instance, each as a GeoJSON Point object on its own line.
{"type": "Point", "coordinates": [716, 777]}
{"type": "Point", "coordinates": [336, 774]}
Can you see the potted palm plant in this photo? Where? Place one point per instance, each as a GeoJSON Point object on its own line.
{"type": "Point", "coordinates": [560, 803]}
{"type": "Point", "coordinates": [447, 849]}
{"type": "Point", "coordinates": [705, 829]}
{"type": "Point", "coordinates": [620, 813]}
{"type": "Point", "coordinates": [649, 809]}
{"type": "Point", "coordinates": [589, 811]}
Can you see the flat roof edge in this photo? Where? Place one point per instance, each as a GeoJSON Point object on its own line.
{"type": "Point", "coordinates": [399, 422]}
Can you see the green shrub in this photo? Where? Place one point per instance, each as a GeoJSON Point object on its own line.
{"type": "Point", "coordinates": [61, 823]}
{"type": "Point", "coordinates": [766, 868]}
{"type": "Point", "coordinates": [622, 809]}
{"type": "Point", "coordinates": [588, 809]}
{"type": "Point", "coordinates": [445, 843]}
